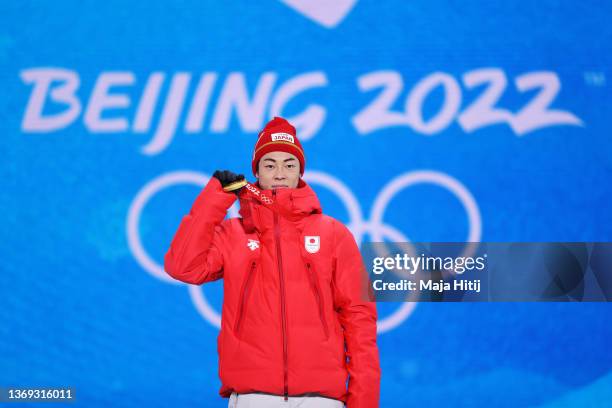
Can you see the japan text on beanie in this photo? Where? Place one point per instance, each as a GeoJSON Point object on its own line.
{"type": "Point", "coordinates": [278, 136]}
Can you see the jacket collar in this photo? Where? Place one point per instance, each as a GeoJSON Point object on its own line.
{"type": "Point", "coordinates": [293, 204]}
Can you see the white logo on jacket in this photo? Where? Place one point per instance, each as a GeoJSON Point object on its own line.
{"type": "Point", "coordinates": [312, 243]}
{"type": "Point", "coordinates": [253, 244]}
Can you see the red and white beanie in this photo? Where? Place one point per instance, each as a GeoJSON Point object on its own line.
{"type": "Point", "coordinates": [278, 136]}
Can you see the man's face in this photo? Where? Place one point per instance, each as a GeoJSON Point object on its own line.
{"type": "Point", "coordinates": [278, 170]}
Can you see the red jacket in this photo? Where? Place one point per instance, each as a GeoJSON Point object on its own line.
{"type": "Point", "coordinates": [290, 305]}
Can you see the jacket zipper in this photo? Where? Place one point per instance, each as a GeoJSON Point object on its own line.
{"type": "Point", "coordinates": [245, 293]}
{"type": "Point", "coordinates": [314, 282]}
{"type": "Point", "coordinates": [282, 293]}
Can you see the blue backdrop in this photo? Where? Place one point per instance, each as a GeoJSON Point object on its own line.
{"type": "Point", "coordinates": [422, 120]}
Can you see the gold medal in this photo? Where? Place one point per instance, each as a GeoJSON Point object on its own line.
{"type": "Point", "coordinates": [235, 185]}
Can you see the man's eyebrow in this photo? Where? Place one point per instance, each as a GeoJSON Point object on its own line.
{"type": "Point", "coordinates": [274, 161]}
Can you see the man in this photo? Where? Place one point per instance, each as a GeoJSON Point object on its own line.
{"type": "Point", "coordinates": [297, 322]}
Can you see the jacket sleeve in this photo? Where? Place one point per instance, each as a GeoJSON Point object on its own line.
{"type": "Point", "coordinates": [357, 316]}
{"type": "Point", "coordinates": [196, 252]}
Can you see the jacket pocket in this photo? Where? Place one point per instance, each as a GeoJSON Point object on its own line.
{"type": "Point", "coordinates": [244, 294]}
{"type": "Point", "coordinates": [316, 289]}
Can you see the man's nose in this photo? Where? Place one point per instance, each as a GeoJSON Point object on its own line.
{"type": "Point", "coordinates": [279, 174]}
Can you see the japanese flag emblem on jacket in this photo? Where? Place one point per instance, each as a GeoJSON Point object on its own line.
{"type": "Point", "coordinates": [312, 243]}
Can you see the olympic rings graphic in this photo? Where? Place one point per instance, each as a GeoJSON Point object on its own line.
{"type": "Point", "coordinates": [376, 229]}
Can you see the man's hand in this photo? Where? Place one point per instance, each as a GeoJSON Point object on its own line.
{"type": "Point", "coordinates": [231, 182]}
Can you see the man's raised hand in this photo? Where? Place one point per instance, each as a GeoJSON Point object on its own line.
{"type": "Point", "coordinates": [231, 182]}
